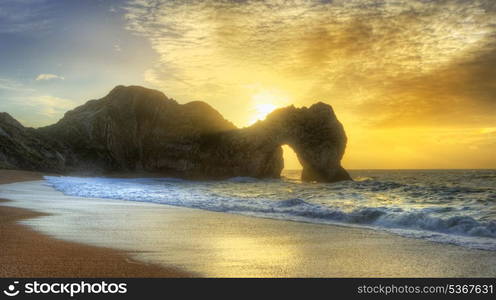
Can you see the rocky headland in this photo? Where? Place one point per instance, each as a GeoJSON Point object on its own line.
{"type": "Point", "coordinates": [138, 130]}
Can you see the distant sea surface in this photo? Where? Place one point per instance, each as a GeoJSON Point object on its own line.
{"type": "Point", "coordinates": [447, 206]}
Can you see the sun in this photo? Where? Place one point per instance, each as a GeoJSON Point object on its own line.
{"type": "Point", "coordinates": [263, 109]}
{"type": "Point", "coordinates": [264, 103]}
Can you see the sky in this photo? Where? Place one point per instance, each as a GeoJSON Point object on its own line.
{"type": "Point", "coordinates": [413, 82]}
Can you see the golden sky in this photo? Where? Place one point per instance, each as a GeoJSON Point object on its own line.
{"type": "Point", "coordinates": [413, 81]}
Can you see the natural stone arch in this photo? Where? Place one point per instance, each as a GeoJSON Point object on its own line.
{"type": "Point", "coordinates": [135, 129]}
{"type": "Point", "coordinates": [316, 136]}
{"type": "Point", "coordinates": [314, 133]}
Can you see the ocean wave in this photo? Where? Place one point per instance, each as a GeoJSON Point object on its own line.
{"type": "Point", "coordinates": [290, 202]}
{"type": "Point", "coordinates": [352, 203]}
{"type": "Point", "coordinates": [241, 179]}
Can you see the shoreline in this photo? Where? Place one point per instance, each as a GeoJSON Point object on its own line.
{"type": "Point", "coordinates": [29, 253]}
{"type": "Point", "coordinates": [216, 244]}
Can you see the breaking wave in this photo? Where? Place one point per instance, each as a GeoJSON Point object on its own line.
{"type": "Point", "coordinates": [433, 206]}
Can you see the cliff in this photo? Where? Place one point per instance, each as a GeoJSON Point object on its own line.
{"type": "Point", "coordinates": [134, 129]}
{"type": "Point", "coordinates": [26, 148]}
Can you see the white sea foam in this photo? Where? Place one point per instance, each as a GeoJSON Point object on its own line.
{"type": "Point", "coordinates": [447, 206]}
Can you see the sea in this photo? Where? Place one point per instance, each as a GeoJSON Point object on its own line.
{"type": "Point", "coordinates": [446, 206]}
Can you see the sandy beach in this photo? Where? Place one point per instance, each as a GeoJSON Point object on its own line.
{"type": "Point", "coordinates": [28, 253]}
{"type": "Point", "coordinates": [156, 240]}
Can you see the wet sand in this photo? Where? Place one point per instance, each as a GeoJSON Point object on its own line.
{"type": "Point", "coordinates": [27, 253]}
{"type": "Point", "coordinates": [215, 244]}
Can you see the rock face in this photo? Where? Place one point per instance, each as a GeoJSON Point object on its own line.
{"type": "Point", "coordinates": [25, 148]}
{"type": "Point", "coordinates": [315, 134]}
{"type": "Point", "coordinates": [134, 129]}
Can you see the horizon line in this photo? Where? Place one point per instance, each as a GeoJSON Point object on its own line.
{"type": "Point", "coordinates": [412, 169]}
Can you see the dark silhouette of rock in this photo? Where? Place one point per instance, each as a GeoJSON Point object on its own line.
{"type": "Point", "coordinates": [315, 134]}
{"type": "Point", "coordinates": [25, 148]}
{"type": "Point", "coordinates": [134, 129]}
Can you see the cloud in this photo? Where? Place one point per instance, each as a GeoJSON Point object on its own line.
{"type": "Point", "coordinates": [389, 63]}
{"type": "Point", "coordinates": [50, 106]}
{"type": "Point", "coordinates": [34, 108]}
{"type": "Point", "coordinates": [8, 85]}
{"type": "Point", "coordinates": [462, 93]}
{"type": "Point", "coordinates": [48, 77]}
{"type": "Point", "coordinates": [18, 16]}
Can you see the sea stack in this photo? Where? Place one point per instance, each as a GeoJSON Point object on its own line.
{"type": "Point", "coordinates": [134, 129]}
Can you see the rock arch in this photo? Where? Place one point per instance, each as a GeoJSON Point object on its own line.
{"type": "Point", "coordinates": [314, 133]}
{"type": "Point", "coordinates": [135, 129]}
{"type": "Point", "coordinates": [316, 136]}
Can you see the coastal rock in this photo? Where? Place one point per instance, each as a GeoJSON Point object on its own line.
{"type": "Point", "coordinates": [314, 133]}
{"type": "Point", "coordinates": [25, 148]}
{"type": "Point", "coordinates": [139, 130]}
{"type": "Point", "coordinates": [134, 129]}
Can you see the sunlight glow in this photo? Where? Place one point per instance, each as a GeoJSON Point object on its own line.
{"type": "Point", "coordinates": [488, 130]}
{"type": "Point", "coordinates": [265, 102]}
{"type": "Point", "coordinates": [291, 161]}
{"type": "Point", "coordinates": [262, 110]}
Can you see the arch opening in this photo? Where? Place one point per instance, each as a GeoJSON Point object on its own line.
{"type": "Point", "coordinates": [292, 166]}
